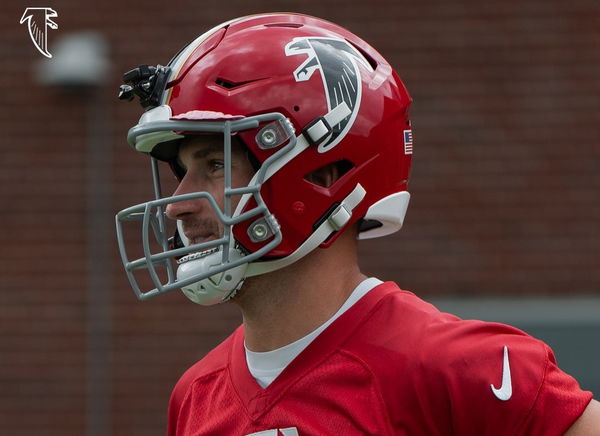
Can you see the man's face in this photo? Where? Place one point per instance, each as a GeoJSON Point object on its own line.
{"type": "Point", "coordinates": [203, 159]}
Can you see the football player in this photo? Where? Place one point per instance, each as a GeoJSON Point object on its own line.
{"type": "Point", "coordinates": [290, 140]}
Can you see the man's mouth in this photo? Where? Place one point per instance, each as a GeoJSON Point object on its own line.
{"type": "Point", "coordinates": [197, 255]}
{"type": "Point", "coordinates": [199, 239]}
{"type": "Point", "coordinates": [195, 238]}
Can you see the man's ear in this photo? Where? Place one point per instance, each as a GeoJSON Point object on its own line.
{"type": "Point", "coordinates": [328, 174]}
{"type": "Point", "coordinates": [324, 176]}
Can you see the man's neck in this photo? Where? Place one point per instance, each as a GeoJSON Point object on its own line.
{"type": "Point", "coordinates": [283, 306]}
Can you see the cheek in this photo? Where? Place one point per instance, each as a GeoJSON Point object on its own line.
{"type": "Point", "coordinates": [243, 174]}
{"type": "Point", "coordinates": [240, 179]}
{"type": "Point", "coordinates": [218, 195]}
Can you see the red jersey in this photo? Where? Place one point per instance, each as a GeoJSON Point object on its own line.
{"type": "Point", "coordinates": [390, 365]}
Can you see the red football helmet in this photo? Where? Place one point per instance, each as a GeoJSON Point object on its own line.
{"type": "Point", "coordinates": [300, 93]}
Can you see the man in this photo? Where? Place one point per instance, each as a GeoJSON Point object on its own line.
{"type": "Point", "coordinates": [290, 139]}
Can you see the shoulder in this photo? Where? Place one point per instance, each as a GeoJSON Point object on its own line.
{"type": "Point", "coordinates": [511, 378]}
{"type": "Point", "coordinates": [449, 367]}
{"type": "Point", "coordinates": [399, 317]}
{"type": "Point", "coordinates": [406, 324]}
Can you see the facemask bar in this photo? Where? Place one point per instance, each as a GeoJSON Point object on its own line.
{"type": "Point", "coordinates": [152, 213]}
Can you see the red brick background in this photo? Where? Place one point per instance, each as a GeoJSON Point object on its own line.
{"type": "Point", "coordinates": [505, 189]}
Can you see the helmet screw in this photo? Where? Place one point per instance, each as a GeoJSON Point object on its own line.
{"type": "Point", "coordinates": [259, 231]}
{"type": "Point", "coordinates": [268, 137]}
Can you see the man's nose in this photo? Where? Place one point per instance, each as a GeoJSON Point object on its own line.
{"type": "Point", "coordinates": [180, 209]}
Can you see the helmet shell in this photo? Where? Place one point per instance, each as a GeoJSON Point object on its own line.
{"type": "Point", "coordinates": [295, 64]}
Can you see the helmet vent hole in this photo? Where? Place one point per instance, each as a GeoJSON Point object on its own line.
{"type": "Point", "coordinates": [228, 84]}
{"type": "Point", "coordinates": [328, 174]}
{"type": "Point", "coordinates": [225, 83]}
{"type": "Point", "coordinates": [367, 56]}
{"type": "Point", "coordinates": [293, 25]}
{"type": "Point", "coordinates": [296, 108]}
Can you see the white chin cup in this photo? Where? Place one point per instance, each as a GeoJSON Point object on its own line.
{"type": "Point", "coordinates": [217, 288]}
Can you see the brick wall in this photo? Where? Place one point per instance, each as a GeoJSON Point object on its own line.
{"type": "Point", "coordinates": [505, 190]}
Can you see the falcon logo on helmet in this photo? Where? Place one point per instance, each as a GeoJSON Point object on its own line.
{"type": "Point", "coordinates": [336, 59]}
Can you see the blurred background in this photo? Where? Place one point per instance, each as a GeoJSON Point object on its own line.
{"type": "Point", "coordinates": [504, 222]}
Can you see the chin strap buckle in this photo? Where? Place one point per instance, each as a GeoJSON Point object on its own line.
{"type": "Point", "coordinates": [342, 214]}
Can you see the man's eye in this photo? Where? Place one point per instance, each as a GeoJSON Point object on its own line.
{"type": "Point", "coordinates": [216, 165]}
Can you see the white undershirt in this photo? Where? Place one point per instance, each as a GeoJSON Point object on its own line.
{"type": "Point", "coordinates": [266, 366]}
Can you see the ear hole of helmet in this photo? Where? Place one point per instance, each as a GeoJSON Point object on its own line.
{"type": "Point", "coordinates": [228, 84]}
{"type": "Point", "coordinates": [327, 175]}
{"type": "Point", "coordinates": [366, 225]}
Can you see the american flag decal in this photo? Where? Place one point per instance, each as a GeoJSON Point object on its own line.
{"type": "Point", "coordinates": [408, 142]}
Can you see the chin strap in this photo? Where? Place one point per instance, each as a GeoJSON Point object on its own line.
{"type": "Point", "coordinates": [321, 128]}
{"type": "Point", "coordinates": [334, 222]}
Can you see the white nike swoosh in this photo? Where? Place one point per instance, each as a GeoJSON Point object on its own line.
{"type": "Point", "coordinates": [505, 391]}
